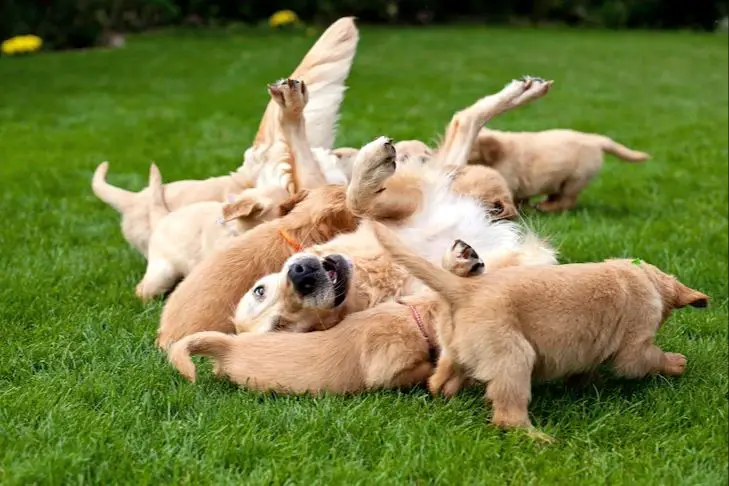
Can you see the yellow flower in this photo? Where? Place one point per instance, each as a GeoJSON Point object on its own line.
{"type": "Point", "coordinates": [20, 44]}
{"type": "Point", "coordinates": [283, 17]}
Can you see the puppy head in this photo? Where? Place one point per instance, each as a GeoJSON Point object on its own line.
{"type": "Point", "coordinates": [254, 206]}
{"type": "Point", "coordinates": [409, 151]}
{"type": "Point", "coordinates": [462, 260]}
{"type": "Point", "coordinates": [488, 186]}
{"type": "Point", "coordinates": [306, 295]}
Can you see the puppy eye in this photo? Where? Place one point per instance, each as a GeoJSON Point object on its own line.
{"type": "Point", "coordinates": [259, 292]}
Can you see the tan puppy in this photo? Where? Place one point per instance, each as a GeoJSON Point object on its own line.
{"type": "Point", "coordinates": [207, 298]}
{"type": "Point", "coordinates": [325, 69]}
{"type": "Point", "coordinates": [383, 347]}
{"type": "Point", "coordinates": [555, 163]}
{"type": "Point", "coordinates": [182, 238]}
{"type": "Point", "coordinates": [547, 322]}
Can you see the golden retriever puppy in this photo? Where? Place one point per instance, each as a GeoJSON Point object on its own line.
{"type": "Point", "coordinates": [519, 324]}
{"type": "Point", "coordinates": [182, 238]}
{"type": "Point", "coordinates": [555, 163]}
{"type": "Point", "coordinates": [207, 298]}
{"type": "Point", "coordinates": [317, 288]}
{"type": "Point", "coordinates": [388, 346]}
{"type": "Point", "coordinates": [325, 69]}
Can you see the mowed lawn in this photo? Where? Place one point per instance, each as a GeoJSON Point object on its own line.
{"type": "Point", "coordinates": [86, 397]}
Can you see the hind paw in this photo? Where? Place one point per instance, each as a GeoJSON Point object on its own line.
{"type": "Point", "coordinates": [291, 95]}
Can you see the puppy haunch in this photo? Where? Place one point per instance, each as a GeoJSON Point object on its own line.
{"type": "Point", "coordinates": [548, 322]}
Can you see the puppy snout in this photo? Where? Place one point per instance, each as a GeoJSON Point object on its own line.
{"type": "Point", "coordinates": [303, 273]}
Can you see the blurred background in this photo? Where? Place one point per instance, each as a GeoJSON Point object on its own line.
{"type": "Point", "coordinates": [66, 24]}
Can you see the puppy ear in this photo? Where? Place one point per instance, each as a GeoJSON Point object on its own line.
{"type": "Point", "coordinates": [286, 206]}
{"type": "Point", "coordinates": [246, 208]}
{"type": "Point", "coordinates": [490, 149]}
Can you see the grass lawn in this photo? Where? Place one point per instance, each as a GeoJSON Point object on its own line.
{"type": "Point", "coordinates": [86, 397]}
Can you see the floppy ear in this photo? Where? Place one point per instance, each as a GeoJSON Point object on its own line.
{"type": "Point", "coordinates": [246, 208]}
{"type": "Point", "coordinates": [286, 206]}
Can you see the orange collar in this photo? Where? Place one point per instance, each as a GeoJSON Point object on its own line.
{"type": "Point", "coordinates": [295, 245]}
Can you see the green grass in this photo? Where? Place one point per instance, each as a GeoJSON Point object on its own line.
{"type": "Point", "coordinates": [85, 396]}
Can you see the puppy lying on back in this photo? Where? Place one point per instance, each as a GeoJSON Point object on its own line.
{"type": "Point", "coordinates": [381, 347]}
{"type": "Point", "coordinates": [555, 163]}
{"type": "Point", "coordinates": [547, 322]}
{"type": "Point", "coordinates": [182, 238]}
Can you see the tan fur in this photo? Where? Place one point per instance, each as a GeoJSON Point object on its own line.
{"type": "Point", "coordinates": [547, 322]}
{"type": "Point", "coordinates": [383, 190]}
{"type": "Point", "coordinates": [325, 68]}
{"type": "Point", "coordinates": [207, 298]}
{"type": "Point", "coordinates": [380, 347]}
{"type": "Point", "coordinates": [555, 163]}
{"type": "Point", "coordinates": [182, 238]}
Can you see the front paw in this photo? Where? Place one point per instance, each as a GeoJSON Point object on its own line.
{"type": "Point", "coordinates": [375, 162]}
{"type": "Point", "coordinates": [291, 95]}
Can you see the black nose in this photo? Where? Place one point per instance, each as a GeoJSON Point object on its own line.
{"type": "Point", "coordinates": [302, 275]}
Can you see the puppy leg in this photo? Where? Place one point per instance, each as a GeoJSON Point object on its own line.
{"type": "Point", "coordinates": [445, 371]}
{"type": "Point", "coordinates": [373, 191]}
{"type": "Point", "coordinates": [158, 279]}
{"type": "Point", "coordinates": [567, 197]}
{"type": "Point", "coordinates": [418, 373]}
{"type": "Point", "coordinates": [647, 359]}
{"type": "Point", "coordinates": [465, 125]}
{"type": "Point", "coordinates": [292, 96]}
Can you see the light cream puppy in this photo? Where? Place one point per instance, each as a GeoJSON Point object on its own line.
{"type": "Point", "coordinates": [519, 324]}
{"type": "Point", "coordinates": [318, 287]}
{"type": "Point", "coordinates": [182, 238]}
{"type": "Point", "coordinates": [268, 162]}
{"type": "Point", "coordinates": [556, 163]}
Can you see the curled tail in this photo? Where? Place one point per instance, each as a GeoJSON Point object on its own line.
{"type": "Point", "coordinates": [442, 281]}
{"type": "Point", "coordinates": [207, 343]}
{"type": "Point", "coordinates": [157, 206]}
{"type": "Point", "coordinates": [610, 146]}
{"type": "Point", "coordinates": [115, 197]}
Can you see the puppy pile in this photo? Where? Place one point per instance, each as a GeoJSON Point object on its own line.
{"type": "Point", "coordinates": [392, 265]}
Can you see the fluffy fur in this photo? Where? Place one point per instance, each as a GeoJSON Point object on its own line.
{"type": "Point", "coordinates": [314, 290]}
{"type": "Point", "coordinates": [380, 347]}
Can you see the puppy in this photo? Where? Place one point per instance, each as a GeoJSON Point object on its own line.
{"type": "Point", "coordinates": [555, 163]}
{"type": "Point", "coordinates": [182, 238]}
{"type": "Point", "coordinates": [382, 347]}
{"type": "Point", "coordinates": [325, 68]}
{"type": "Point", "coordinates": [547, 322]}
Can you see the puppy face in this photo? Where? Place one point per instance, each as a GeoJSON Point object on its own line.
{"type": "Point", "coordinates": [489, 187]}
{"type": "Point", "coordinates": [306, 295]}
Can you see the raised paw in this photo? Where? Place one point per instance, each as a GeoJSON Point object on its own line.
{"type": "Point", "coordinates": [523, 90]}
{"type": "Point", "coordinates": [291, 95]}
{"type": "Point", "coordinates": [374, 163]}
{"type": "Point", "coordinates": [674, 364]}
{"type": "Point", "coordinates": [463, 260]}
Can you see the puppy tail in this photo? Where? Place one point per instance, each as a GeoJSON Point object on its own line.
{"type": "Point", "coordinates": [324, 69]}
{"type": "Point", "coordinates": [621, 151]}
{"type": "Point", "coordinates": [157, 206]}
{"type": "Point", "coordinates": [207, 343]}
{"type": "Point", "coordinates": [442, 281]}
{"type": "Point", "coordinates": [115, 197]}
{"type": "Point", "coordinates": [533, 251]}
